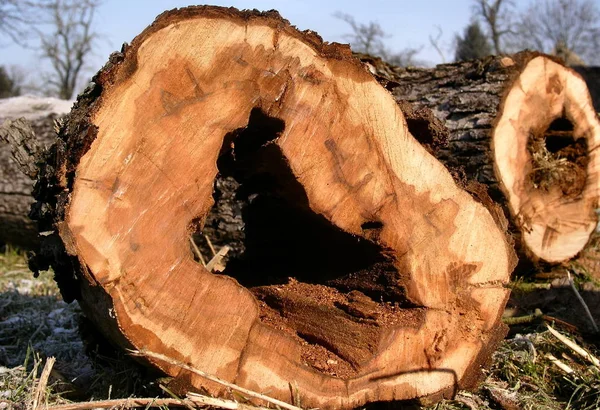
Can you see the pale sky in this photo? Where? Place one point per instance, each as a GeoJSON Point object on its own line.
{"type": "Point", "coordinates": [409, 23]}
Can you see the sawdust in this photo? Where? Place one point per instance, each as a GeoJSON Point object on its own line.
{"type": "Point", "coordinates": [316, 315]}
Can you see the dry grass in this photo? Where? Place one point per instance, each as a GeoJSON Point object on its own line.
{"type": "Point", "coordinates": [36, 324]}
{"type": "Point", "coordinates": [548, 169]}
{"type": "Point", "coordinates": [523, 377]}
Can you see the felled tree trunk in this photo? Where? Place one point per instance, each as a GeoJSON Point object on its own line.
{"type": "Point", "coordinates": [525, 126]}
{"type": "Point", "coordinates": [367, 273]}
{"type": "Point", "coordinates": [16, 228]}
{"type": "Point", "coordinates": [15, 200]}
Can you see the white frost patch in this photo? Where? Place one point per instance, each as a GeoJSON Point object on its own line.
{"type": "Point", "coordinates": [32, 107]}
{"type": "Point", "coordinates": [16, 319]}
{"type": "Point", "coordinates": [62, 331]}
{"type": "Point", "coordinates": [55, 313]}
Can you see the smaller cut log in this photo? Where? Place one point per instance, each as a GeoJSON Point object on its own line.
{"type": "Point", "coordinates": [16, 185]}
{"type": "Point", "coordinates": [524, 125]}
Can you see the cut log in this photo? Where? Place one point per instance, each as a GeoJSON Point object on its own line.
{"type": "Point", "coordinates": [16, 186]}
{"type": "Point", "coordinates": [525, 126]}
{"type": "Point", "coordinates": [367, 274]}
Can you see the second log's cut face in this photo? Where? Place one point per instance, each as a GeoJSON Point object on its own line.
{"type": "Point", "coordinates": [367, 273]}
{"type": "Point", "coordinates": [544, 148]}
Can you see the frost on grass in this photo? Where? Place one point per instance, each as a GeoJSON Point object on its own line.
{"type": "Point", "coordinates": [35, 323]}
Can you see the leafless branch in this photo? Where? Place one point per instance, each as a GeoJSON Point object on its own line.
{"type": "Point", "coordinates": [435, 43]}
{"type": "Point", "coordinates": [63, 33]}
{"type": "Point", "coordinates": [368, 39]}
{"type": "Point", "coordinates": [569, 29]}
{"type": "Point", "coordinates": [496, 16]}
{"type": "Point", "coordinates": [70, 42]}
{"type": "Point", "coordinates": [16, 17]}
{"type": "Point", "coordinates": [365, 38]}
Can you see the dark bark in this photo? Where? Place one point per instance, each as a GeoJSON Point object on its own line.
{"type": "Point", "coordinates": [16, 181]}
{"type": "Point", "coordinates": [466, 97]}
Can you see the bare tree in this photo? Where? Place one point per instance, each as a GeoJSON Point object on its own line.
{"type": "Point", "coordinates": [496, 16]}
{"type": "Point", "coordinates": [436, 43]}
{"type": "Point", "coordinates": [15, 18]}
{"type": "Point", "coordinates": [565, 27]}
{"type": "Point", "coordinates": [368, 39]}
{"type": "Point", "coordinates": [68, 42]}
{"type": "Point", "coordinates": [365, 38]}
{"type": "Point", "coordinates": [60, 30]}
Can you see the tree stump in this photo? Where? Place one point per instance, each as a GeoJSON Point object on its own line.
{"type": "Point", "coordinates": [524, 125]}
{"type": "Point", "coordinates": [367, 274]}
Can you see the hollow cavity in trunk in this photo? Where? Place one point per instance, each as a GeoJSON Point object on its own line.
{"type": "Point", "coordinates": [559, 160]}
{"type": "Point", "coordinates": [332, 291]}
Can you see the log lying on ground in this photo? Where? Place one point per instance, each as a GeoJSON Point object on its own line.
{"type": "Point", "coordinates": [367, 275]}
{"type": "Point", "coordinates": [525, 126]}
{"type": "Point", "coordinates": [15, 186]}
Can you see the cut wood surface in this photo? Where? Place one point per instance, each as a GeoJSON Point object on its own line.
{"type": "Point", "coordinates": [15, 186]}
{"type": "Point", "coordinates": [525, 126]}
{"type": "Point", "coordinates": [367, 274]}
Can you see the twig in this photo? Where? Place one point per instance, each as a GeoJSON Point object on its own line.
{"type": "Point", "coordinates": [520, 320]}
{"type": "Point", "coordinates": [38, 330]}
{"type": "Point", "coordinates": [558, 363]}
{"type": "Point", "coordinates": [122, 404]}
{"type": "Point", "coordinates": [575, 347]}
{"type": "Point", "coordinates": [14, 272]}
{"type": "Point", "coordinates": [40, 390]}
{"type": "Point", "coordinates": [192, 401]}
{"type": "Point", "coordinates": [221, 403]}
{"type": "Point", "coordinates": [556, 321]}
{"type": "Point", "coordinates": [210, 245]}
{"type": "Point", "coordinates": [197, 250]}
{"type": "Point", "coordinates": [215, 262]}
{"type": "Point", "coordinates": [585, 306]}
{"type": "Point", "coordinates": [215, 379]}
{"type": "Point", "coordinates": [173, 395]}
